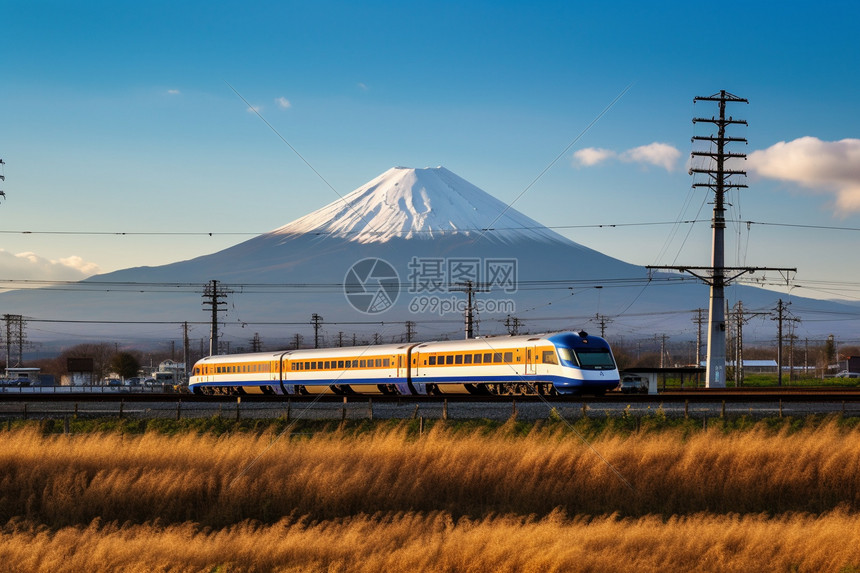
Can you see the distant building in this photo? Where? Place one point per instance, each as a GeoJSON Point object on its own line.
{"type": "Point", "coordinates": [170, 372]}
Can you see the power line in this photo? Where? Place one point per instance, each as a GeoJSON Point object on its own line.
{"type": "Point", "coordinates": [434, 232]}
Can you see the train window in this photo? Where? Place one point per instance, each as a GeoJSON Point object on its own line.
{"type": "Point", "coordinates": [449, 359]}
{"type": "Point", "coordinates": [355, 363]}
{"type": "Point", "coordinates": [362, 363]}
{"type": "Point", "coordinates": [509, 357]}
{"type": "Point", "coordinates": [566, 354]}
{"type": "Point", "coordinates": [432, 360]}
{"type": "Point", "coordinates": [348, 363]}
{"type": "Point", "coordinates": [549, 357]}
{"type": "Point", "coordinates": [477, 359]}
{"type": "Point", "coordinates": [467, 359]}
{"type": "Point", "coordinates": [340, 363]}
{"type": "Point", "coordinates": [386, 362]}
{"type": "Point", "coordinates": [497, 357]}
{"type": "Point", "coordinates": [488, 358]}
{"type": "Point", "coordinates": [458, 359]}
{"type": "Point", "coordinates": [325, 364]}
{"type": "Point", "coordinates": [378, 362]}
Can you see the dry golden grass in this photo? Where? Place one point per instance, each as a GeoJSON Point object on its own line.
{"type": "Point", "coordinates": [445, 501]}
{"type": "Point", "coordinates": [436, 542]}
{"type": "Point", "coordinates": [61, 480]}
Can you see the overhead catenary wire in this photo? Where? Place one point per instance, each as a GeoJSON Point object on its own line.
{"type": "Point", "coordinates": [440, 232]}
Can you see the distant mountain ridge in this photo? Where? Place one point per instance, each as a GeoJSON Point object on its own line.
{"type": "Point", "coordinates": [435, 231]}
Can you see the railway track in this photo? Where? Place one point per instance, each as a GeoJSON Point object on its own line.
{"type": "Point", "coordinates": [663, 396]}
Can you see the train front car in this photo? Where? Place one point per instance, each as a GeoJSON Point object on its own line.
{"type": "Point", "coordinates": [237, 374]}
{"type": "Point", "coordinates": [587, 365]}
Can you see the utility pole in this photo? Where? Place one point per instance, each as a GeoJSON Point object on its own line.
{"type": "Point", "coordinates": [470, 289]}
{"type": "Point", "coordinates": [316, 320]}
{"type": "Point", "coordinates": [739, 344]}
{"type": "Point", "coordinates": [340, 338]}
{"type": "Point", "coordinates": [602, 321]}
{"type": "Point", "coordinates": [782, 315]}
{"type": "Point", "coordinates": [256, 343]}
{"type": "Point", "coordinates": [662, 348]}
{"type": "Point", "coordinates": [213, 297]}
{"type": "Point", "coordinates": [513, 324]}
{"type": "Point", "coordinates": [15, 339]}
{"type": "Point", "coordinates": [410, 330]}
{"type": "Point", "coordinates": [741, 317]}
{"type": "Point", "coordinates": [780, 308]}
{"type": "Point", "coordinates": [297, 341]}
{"type": "Point", "coordinates": [186, 351]}
{"type": "Point", "coordinates": [699, 320]}
{"type": "Point", "coordinates": [717, 275]}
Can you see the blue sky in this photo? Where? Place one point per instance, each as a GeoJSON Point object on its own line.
{"type": "Point", "coordinates": [117, 118]}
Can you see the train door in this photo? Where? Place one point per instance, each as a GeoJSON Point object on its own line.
{"type": "Point", "coordinates": [401, 370]}
{"type": "Point", "coordinates": [531, 358]}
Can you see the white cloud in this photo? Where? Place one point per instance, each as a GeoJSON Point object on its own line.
{"type": "Point", "coordinates": [283, 102]}
{"type": "Point", "coordinates": [174, 92]}
{"type": "Point", "coordinates": [362, 86]}
{"type": "Point", "coordinates": [831, 167]}
{"type": "Point", "coordinates": [255, 109]}
{"type": "Point", "coordinates": [659, 154]}
{"type": "Point", "coordinates": [592, 156]}
{"type": "Point", "coordinates": [30, 266]}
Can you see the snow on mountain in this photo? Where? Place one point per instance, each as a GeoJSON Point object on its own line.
{"type": "Point", "coordinates": [419, 204]}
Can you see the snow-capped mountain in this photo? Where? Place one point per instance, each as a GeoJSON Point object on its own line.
{"type": "Point", "coordinates": [423, 204]}
{"type": "Point", "coordinates": [402, 247]}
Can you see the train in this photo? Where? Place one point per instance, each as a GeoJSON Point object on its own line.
{"type": "Point", "coordinates": [547, 364]}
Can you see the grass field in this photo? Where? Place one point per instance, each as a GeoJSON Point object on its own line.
{"type": "Point", "coordinates": [776, 495]}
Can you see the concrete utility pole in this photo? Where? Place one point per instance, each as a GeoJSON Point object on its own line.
{"type": "Point", "coordinates": [602, 321]}
{"type": "Point", "coordinates": [213, 297]}
{"type": "Point", "coordinates": [316, 320]}
{"type": "Point", "coordinates": [513, 324]}
{"type": "Point", "coordinates": [781, 316]}
{"type": "Point", "coordinates": [256, 343]}
{"type": "Point", "coordinates": [410, 330]}
{"type": "Point", "coordinates": [186, 350]}
{"type": "Point", "coordinates": [470, 289]}
{"type": "Point", "coordinates": [717, 275]}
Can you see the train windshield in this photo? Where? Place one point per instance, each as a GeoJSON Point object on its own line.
{"type": "Point", "coordinates": [589, 358]}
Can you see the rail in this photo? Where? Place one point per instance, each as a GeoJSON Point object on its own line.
{"type": "Point", "coordinates": [671, 405]}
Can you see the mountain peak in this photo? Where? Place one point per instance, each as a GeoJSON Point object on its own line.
{"type": "Point", "coordinates": [418, 203]}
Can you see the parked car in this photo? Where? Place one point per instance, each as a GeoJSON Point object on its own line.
{"type": "Point", "coordinates": [847, 374]}
{"type": "Point", "coordinates": [631, 384]}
